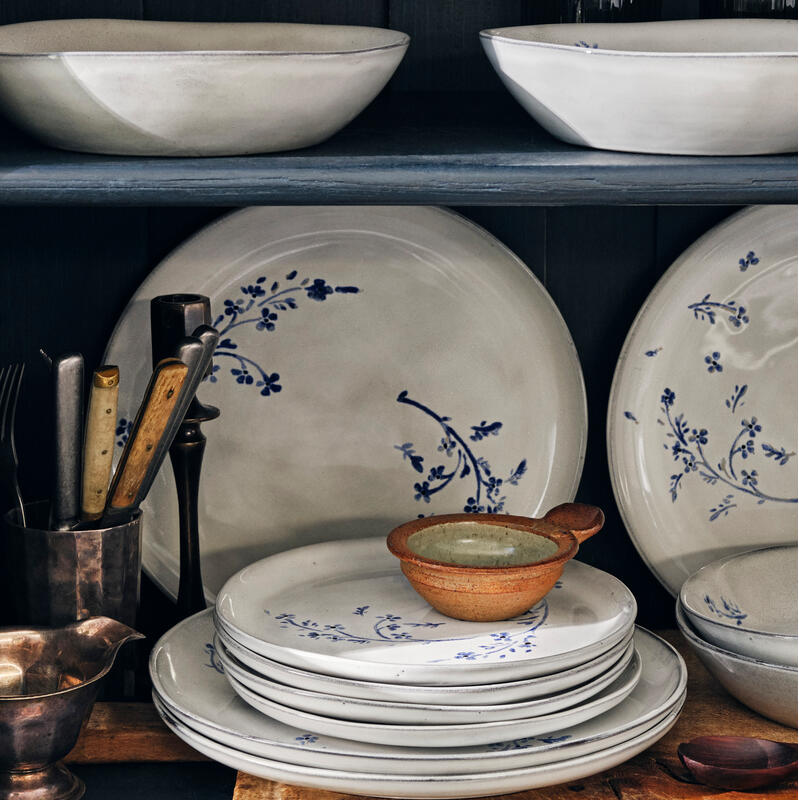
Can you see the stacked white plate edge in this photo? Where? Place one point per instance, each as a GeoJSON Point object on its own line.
{"type": "Point", "coordinates": [322, 667]}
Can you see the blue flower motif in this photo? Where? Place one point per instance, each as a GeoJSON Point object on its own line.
{"type": "Point", "coordinates": [436, 473]}
{"type": "Point", "coordinates": [306, 738]}
{"type": "Point", "coordinates": [422, 491]}
{"type": "Point", "coordinates": [269, 385]}
{"type": "Point", "coordinates": [699, 435]}
{"type": "Point", "coordinates": [212, 377]}
{"type": "Point", "coordinates": [267, 321]}
{"type": "Point", "coordinates": [447, 446]}
{"type": "Point", "coordinates": [473, 507]}
{"type": "Point", "coordinates": [739, 318]}
{"type": "Point", "coordinates": [253, 291]}
{"type": "Point", "coordinates": [747, 448]}
{"type": "Point", "coordinates": [318, 290]}
{"type": "Point", "coordinates": [747, 261]}
{"type": "Point", "coordinates": [713, 362]}
{"type": "Point", "coordinates": [242, 376]}
{"type": "Point", "coordinates": [667, 398]}
{"type": "Point", "coordinates": [124, 427]}
{"type": "Point", "coordinates": [233, 307]}
{"type": "Point", "coordinates": [752, 426]}
{"type": "Point", "coordinates": [749, 478]}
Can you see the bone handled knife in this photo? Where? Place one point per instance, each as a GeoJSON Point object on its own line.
{"type": "Point", "coordinates": [98, 446]}
{"type": "Point", "coordinates": [67, 371]}
{"type": "Point", "coordinates": [148, 429]}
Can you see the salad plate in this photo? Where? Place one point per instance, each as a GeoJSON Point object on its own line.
{"type": "Point", "coordinates": [382, 711]}
{"type": "Point", "coordinates": [507, 692]}
{"type": "Point", "coordinates": [416, 785]}
{"type": "Point", "coordinates": [188, 681]}
{"type": "Point", "coordinates": [362, 373]}
{"type": "Point", "coordinates": [447, 735]}
{"type": "Point", "coordinates": [345, 609]}
{"type": "Point", "coordinates": [702, 415]}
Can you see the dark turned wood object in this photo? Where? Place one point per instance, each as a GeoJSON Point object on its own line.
{"type": "Point", "coordinates": [171, 318]}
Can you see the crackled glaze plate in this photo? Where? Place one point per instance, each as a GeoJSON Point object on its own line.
{"type": "Point", "coordinates": [376, 363]}
{"type": "Point", "coordinates": [345, 609]}
{"type": "Point", "coordinates": [702, 418]}
{"type": "Point", "coordinates": [189, 684]}
{"type": "Point", "coordinates": [419, 785]}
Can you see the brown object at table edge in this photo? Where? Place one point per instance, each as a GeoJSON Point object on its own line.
{"type": "Point", "coordinates": [128, 732]}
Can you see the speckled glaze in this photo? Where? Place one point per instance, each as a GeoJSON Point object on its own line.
{"type": "Point", "coordinates": [148, 88]}
{"type": "Point", "coordinates": [485, 570]}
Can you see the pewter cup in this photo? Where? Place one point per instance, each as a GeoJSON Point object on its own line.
{"type": "Point", "coordinates": [49, 680]}
{"type": "Point", "coordinates": [57, 577]}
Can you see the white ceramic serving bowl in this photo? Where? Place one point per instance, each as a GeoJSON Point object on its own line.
{"type": "Point", "coordinates": [746, 603]}
{"type": "Point", "coordinates": [769, 689]}
{"type": "Point", "coordinates": [692, 87]}
{"type": "Point", "coordinates": [132, 87]}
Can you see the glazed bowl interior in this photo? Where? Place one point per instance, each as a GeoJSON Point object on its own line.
{"type": "Point", "coordinates": [751, 591]}
{"type": "Point", "coordinates": [126, 36]}
{"type": "Point", "coordinates": [685, 36]}
{"type": "Point", "coordinates": [475, 544]}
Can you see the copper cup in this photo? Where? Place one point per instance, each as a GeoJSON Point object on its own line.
{"type": "Point", "coordinates": [49, 679]}
{"type": "Point", "coordinates": [57, 577]}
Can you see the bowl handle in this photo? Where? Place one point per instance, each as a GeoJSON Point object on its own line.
{"type": "Point", "coordinates": [578, 518]}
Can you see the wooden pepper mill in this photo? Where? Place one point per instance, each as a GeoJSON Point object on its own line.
{"type": "Point", "coordinates": [173, 316]}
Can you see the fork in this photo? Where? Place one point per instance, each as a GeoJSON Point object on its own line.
{"type": "Point", "coordinates": [10, 382]}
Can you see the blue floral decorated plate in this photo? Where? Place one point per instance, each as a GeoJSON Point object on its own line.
{"type": "Point", "coordinates": [702, 433]}
{"type": "Point", "coordinates": [345, 609]}
{"type": "Point", "coordinates": [189, 684]}
{"type": "Point", "coordinates": [375, 364]}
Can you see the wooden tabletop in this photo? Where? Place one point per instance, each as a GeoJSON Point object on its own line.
{"type": "Point", "coordinates": [122, 732]}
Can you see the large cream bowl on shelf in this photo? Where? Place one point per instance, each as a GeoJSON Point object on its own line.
{"type": "Point", "coordinates": [145, 88]}
{"type": "Point", "coordinates": [690, 87]}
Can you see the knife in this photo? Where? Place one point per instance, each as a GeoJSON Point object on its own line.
{"type": "Point", "coordinates": [98, 446]}
{"type": "Point", "coordinates": [157, 407]}
{"type": "Point", "coordinates": [68, 405]}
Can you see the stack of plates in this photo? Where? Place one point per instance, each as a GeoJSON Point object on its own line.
{"type": "Point", "coordinates": [739, 616]}
{"type": "Point", "coordinates": [322, 667]}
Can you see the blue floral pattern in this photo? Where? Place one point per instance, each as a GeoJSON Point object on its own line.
{"type": "Point", "coordinates": [749, 260]}
{"type": "Point", "coordinates": [687, 446]}
{"type": "Point", "coordinates": [387, 628]}
{"type": "Point", "coordinates": [213, 659]}
{"type": "Point", "coordinates": [713, 362]}
{"type": "Point", "coordinates": [487, 494]}
{"type": "Point", "coordinates": [582, 43]}
{"type": "Point", "coordinates": [263, 308]}
{"type": "Point", "coordinates": [727, 609]}
{"type": "Point", "coordinates": [707, 310]}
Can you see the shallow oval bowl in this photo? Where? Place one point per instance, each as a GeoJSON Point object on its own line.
{"type": "Point", "coordinates": [133, 87]}
{"type": "Point", "coordinates": [690, 87]}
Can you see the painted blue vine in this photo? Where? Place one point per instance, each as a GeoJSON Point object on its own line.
{"type": "Point", "coordinates": [727, 609]}
{"type": "Point", "coordinates": [688, 445]}
{"type": "Point", "coordinates": [486, 495]}
{"type": "Point", "coordinates": [213, 659]}
{"type": "Point", "coordinates": [388, 628]}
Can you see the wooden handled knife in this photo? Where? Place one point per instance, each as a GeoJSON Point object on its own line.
{"type": "Point", "coordinates": [155, 412]}
{"type": "Point", "coordinates": [98, 446]}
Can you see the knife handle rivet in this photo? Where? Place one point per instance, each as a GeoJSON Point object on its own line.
{"type": "Point", "coordinates": [170, 393]}
{"type": "Point", "coordinates": [109, 410]}
{"type": "Point", "coordinates": [104, 452]}
{"type": "Point", "coordinates": [149, 447]}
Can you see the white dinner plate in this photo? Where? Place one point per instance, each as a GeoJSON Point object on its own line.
{"type": "Point", "coordinates": [454, 735]}
{"type": "Point", "coordinates": [188, 678]}
{"type": "Point", "coordinates": [382, 711]}
{"type": "Point", "coordinates": [702, 417]}
{"type": "Point", "coordinates": [479, 694]}
{"type": "Point", "coordinates": [345, 608]}
{"type": "Point", "coordinates": [416, 785]}
{"type": "Point", "coordinates": [375, 364]}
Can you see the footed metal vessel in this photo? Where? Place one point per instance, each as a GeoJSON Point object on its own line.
{"type": "Point", "coordinates": [49, 679]}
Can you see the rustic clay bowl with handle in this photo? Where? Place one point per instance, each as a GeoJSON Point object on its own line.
{"type": "Point", "coordinates": [485, 567]}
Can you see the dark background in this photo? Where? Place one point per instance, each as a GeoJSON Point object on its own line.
{"type": "Point", "coordinates": [67, 273]}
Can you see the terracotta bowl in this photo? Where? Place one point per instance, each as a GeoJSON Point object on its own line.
{"type": "Point", "coordinates": [485, 567]}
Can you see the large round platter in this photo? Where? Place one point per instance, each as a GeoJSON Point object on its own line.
{"type": "Point", "coordinates": [345, 608]}
{"type": "Point", "coordinates": [702, 417]}
{"type": "Point", "coordinates": [418, 785]}
{"type": "Point", "coordinates": [188, 680]}
{"type": "Point", "coordinates": [363, 376]}
{"type": "Point", "coordinates": [490, 693]}
{"type": "Point", "coordinates": [381, 711]}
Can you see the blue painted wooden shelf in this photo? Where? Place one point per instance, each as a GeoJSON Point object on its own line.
{"type": "Point", "coordinates": [457, 149]}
